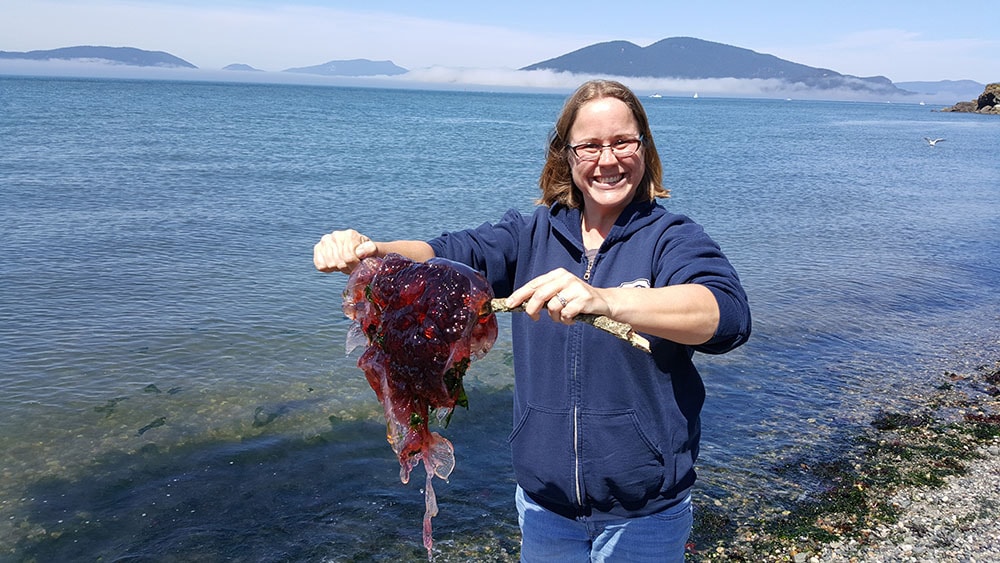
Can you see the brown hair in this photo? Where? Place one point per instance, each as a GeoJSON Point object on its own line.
{"type": "Point", "coordinates": [556, 180]}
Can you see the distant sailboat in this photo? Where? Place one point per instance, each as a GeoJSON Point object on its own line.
{"type": "Point", "coordinates": [695, 95]}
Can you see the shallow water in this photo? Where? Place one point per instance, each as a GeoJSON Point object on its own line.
{"type": "Point", "coordinates": [172, 370]}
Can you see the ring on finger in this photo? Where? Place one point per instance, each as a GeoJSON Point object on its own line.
{"type": "Point", "coordinates": [562, 300]}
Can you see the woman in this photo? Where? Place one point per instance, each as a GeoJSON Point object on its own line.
{"type": "Point", "coordinates": [605, 436]}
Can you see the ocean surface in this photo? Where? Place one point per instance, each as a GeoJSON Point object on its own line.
{"type": "Point", "coordinates": [173, 380]}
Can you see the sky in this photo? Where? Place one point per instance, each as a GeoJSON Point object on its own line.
{"type": "Point", "coordinates": [446, 40]}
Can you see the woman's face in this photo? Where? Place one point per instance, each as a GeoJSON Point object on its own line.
{"type": "Point", "coordinates": [609, 183]}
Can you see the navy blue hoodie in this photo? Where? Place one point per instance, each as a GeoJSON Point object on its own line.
{"type": "Point", "coordinates": [600, 426]}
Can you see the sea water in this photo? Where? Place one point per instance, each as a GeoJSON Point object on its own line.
{"type": "Point", "coordinates": [173, 382]}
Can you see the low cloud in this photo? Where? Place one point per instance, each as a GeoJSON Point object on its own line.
{"type": "Point", "coordinates": [548, 80]}
{"type": "Point", "coordinates": [554, 80]}
{"type": "Point", "coordinates": [441, 77]}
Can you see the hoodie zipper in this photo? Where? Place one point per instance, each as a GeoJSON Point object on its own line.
{"type": "Point", "coordinates": [576, 452]}
{"type": "Point", "coordinates": [576, 407]}
{"type": "Point", "coordinates": [590, 266]}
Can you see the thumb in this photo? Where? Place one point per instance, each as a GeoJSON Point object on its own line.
{"type": "Point", "coordinates": [365, 249]}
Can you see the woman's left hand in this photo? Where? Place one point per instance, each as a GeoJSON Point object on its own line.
{"type": "Point", "coordinates": [563, 294]}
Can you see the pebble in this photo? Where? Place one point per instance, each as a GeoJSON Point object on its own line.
{"type": "Point", "coordinates": [955, 523]}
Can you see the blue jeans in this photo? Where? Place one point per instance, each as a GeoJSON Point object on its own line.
{"type": "Point", "coordinates": [547, 536]}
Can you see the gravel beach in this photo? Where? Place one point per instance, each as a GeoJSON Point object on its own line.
{"type": "Point", "coordinates": [923, 487]}
{"type": "Point", "coordinates": [958, 518]}
{"type": "Point", "coordinates": [959, 522]}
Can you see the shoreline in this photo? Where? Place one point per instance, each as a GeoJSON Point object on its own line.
{"type": "Point", "coordinates": [920, 486]}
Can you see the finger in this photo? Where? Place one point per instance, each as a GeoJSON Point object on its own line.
{"type": "Point", "coordinates": [346, 253]}
{"type": "Point", "coordinates": [365, 249]}
{"type": "Point", "coordinates": [540, 294]}
{"type": "Point", "coordinates": [561, 308]}
{"type": "Point", "coordinates": [544, 298]}
{"type": "Point", "coordinates": [319, 260]}
{"type": "Point", "coordinates": [519, 296]}
{"type": "Point", "coordinates": [529, 299]}
{"type": "Point", "coordinates": [336, 251]}
{"type": "Point", "coordinates": [540, 284]}
{"type": "Point", "coordinates": [325, 255]}
{"type": "Point", "coordinates": [523, 293]}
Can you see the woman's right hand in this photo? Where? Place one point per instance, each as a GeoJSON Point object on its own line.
{"type": "Point", "coordinates": [342, 251]}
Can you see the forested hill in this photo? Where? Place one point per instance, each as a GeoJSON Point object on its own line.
{"type": "Point", "coordinates": [121, 55]}
{"type": "Point", "coordinates": [691, 58]}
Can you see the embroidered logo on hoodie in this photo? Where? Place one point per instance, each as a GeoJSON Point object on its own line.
{"type": "Point", "coordinates": [641, 282]}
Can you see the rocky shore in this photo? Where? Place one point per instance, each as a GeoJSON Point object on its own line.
{"type": "Point", "coordinates": [921, 486]}
{"type": "Point", "coordinates": [955, 523]}
{"type": "Point", "coordinates": [924, 486]}
{"type": "Point", "coordinates": [987, 103]}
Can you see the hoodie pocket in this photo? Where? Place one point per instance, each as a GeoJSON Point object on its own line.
{"type": "Point", "coordinates": [542, 450]}
{"type": "Point", "coordinates": [619, 461]}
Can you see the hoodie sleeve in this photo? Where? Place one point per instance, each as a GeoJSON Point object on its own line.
{"type": "Point", "coordinates": [490, 248]}
{"type": "Point", "coordinates": [686, 254]}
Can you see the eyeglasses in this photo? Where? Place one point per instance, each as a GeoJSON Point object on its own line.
{"type": "Point", "coordinates": [592, 151]}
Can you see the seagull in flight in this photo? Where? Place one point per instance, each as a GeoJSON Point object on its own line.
{"type": "Point", "coordinates": [932, 142]}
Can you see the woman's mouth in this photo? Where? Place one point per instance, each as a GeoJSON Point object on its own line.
{"type": "Point", "coordinates": [609, 180]}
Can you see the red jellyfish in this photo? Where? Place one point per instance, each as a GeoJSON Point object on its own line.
{"type": "Point", "coordinates": [423, 323]}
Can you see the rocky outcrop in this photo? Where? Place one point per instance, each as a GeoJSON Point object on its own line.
{"type": "Point", "coordinates": [988, 102]}
{"type": "Point", "coordinates": [990, 97]}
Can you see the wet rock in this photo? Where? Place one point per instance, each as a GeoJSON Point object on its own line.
{"type": "Point", "coordinates": [262, 418]}
{"type": "Point", "coordinates": [987, 103]}
{"type": "Point", "coordinates": [155, 424]}
{"type": "Point", "coordinates": [109, 408]}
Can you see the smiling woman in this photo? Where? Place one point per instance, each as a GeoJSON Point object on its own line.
{"type": "Point", "coordinates": [604, 444]}
{"type": "Point", "coordinates": [607, 179]}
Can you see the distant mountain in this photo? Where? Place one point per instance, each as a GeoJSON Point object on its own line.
{"type": "Point", "coordinates": [239, 66]}
{"type": "Point", "coordinates": [957, 89]}
{"type": "Point", "coordinates": [354, 67]}
{"type": "Point", "coordinates": [690, 58]}
{"type": "Point", "coordinates": [118, 55]}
